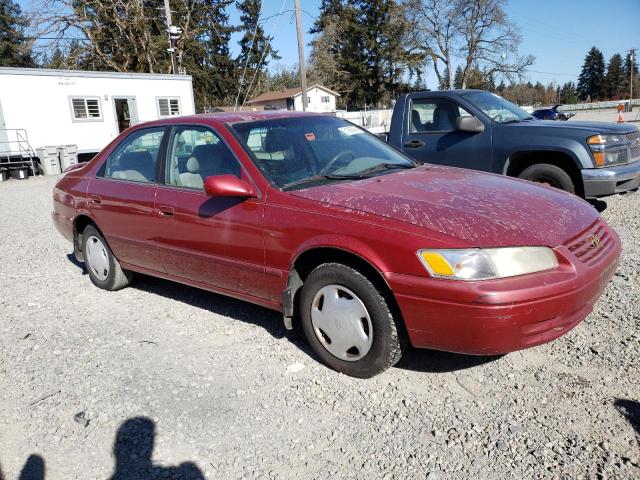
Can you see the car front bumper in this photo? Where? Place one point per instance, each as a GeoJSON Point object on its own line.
{"type": "Point", "coordinates": [500, 316]}
{"type": "Point", "coordinates": [600, 182]}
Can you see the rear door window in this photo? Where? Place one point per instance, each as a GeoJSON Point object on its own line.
{"type": "Point", "coordinates": [135, 159]}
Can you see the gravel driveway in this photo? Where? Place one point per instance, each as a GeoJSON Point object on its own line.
{"type": "Point", "coordinates": [161, 380]}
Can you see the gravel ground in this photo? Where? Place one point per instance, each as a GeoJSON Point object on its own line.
{"type": "Point", "coordinates": [180, 383]}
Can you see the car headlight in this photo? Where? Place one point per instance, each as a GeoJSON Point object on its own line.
{"type": "Point", "coordinates": [487, 263]}
{"type": "Point", "coordinates": [608, 150]}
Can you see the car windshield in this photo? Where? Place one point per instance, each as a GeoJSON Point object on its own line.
{"type": "Point", "coordinates": [301, 151]}
{"type": "Point", "coordinates": [496, 107]}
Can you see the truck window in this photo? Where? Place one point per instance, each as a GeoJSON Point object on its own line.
{"type": "Point", "coordinates": [434, 115]}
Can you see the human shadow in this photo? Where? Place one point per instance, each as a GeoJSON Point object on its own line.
{"type": "Point", "coordinates": [435, 361]}
{"type": "Point", "coordinates": [33, 469]}
{"type": "Point", "coordinates": [630, 410]}
{"type": "Point", "coordinates": [133, 450]}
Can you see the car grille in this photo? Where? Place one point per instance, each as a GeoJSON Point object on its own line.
{"type": "Point", "coordinates": [592, 244]}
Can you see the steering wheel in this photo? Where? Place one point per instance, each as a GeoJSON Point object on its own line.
{"type": "Point", "coordinates": [327, 168]}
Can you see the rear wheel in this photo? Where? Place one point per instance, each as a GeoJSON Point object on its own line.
{"type": "Point", "coordinates": [549, 175]}
{"type": "Point", "coordinates": [348, 322]}
{"type": "Point", "coordinates": [103, 267]}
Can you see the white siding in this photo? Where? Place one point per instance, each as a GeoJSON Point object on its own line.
{"type": "Point", "coordinates": [41, 104]}
{"type": "Point", "coordinates": [315, 103]}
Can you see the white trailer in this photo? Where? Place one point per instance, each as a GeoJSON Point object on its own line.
{"type": "Point", "coordinates": [87, 109]}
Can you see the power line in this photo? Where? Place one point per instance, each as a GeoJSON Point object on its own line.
{"type": "Point", "coordinates": [246, 63]}
{"type": "Point", "coordinates": [554, 73]}
{"type": "Point", "coordinates": [266, 48]}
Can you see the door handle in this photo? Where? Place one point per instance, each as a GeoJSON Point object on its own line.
{"type": "Point", "coordinates": [414, 144]}
{"type": "Point", "coordinates": [165, 211]}
{"type": "Point", "coordinates": [95, 199]}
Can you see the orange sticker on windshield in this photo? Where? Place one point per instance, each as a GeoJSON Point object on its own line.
{"type": "Point", "coordinates": [310, 136]}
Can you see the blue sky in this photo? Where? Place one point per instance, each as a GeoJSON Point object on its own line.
{"type": "Point", "coordinates": [557, 32]}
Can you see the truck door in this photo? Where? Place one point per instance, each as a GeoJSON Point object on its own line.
{"type": "Point", "coordinates": [430, 135]}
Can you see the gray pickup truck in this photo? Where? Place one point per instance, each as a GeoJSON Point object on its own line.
{"type": "Point", "coordinates": [482, 131]}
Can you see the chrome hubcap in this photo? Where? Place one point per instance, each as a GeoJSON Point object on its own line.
{"type": "Point", "coordinates": [341, 323]}
{"type": "Point", "coordinates": [97, 258]}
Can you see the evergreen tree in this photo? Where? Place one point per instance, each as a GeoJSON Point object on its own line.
{"type": "Point", "coordinates": [568, 93]}
{"type": "Point", "coordinates": [615, 78]}
{"type": "Point", "coordinates": [255, 49]}
{"type": "Point", "coordinates": [362, 45]}
{"type": "Point", "coordinates": [457, 78]}
{"type": "Point", "coordinates": [591, 82]}
{"type": "Point", "coordinates": [15, 49]}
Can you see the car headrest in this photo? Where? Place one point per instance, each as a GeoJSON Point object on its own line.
{"type": "Point", "coordinates": [277, 140]}
{"type": "Point", "coordinates": [444, 117]}
{"type": "Point", "coordinates": [135, 160]}
{"type": "Point", "coordinates": [416, 121]}
{"type": "Point", "coordinates": [193, 166]}
{"type": "Point", "coordinates": [201, 152]}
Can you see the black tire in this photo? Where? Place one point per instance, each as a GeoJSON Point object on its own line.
{"type": "Point", "coordinates": [549, 174]}
{"type": "Point", "coordinates": [111, 278]}
{"type": "Point", "coordinates": [388, 341]}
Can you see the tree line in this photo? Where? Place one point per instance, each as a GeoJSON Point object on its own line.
{"type": "Point", "coordinates": [369, 51]}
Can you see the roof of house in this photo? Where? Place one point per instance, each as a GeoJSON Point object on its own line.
{"type": "Point", "coordinates": [287, 93]}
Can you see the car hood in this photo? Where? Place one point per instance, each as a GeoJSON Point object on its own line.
{"type": "Point", "coordinates": [482, 209]}
{"type": "Point", "coordinates": [578, 126]}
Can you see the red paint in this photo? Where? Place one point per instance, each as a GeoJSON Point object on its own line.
{"type": "Point", "coordinates": [242, 237]}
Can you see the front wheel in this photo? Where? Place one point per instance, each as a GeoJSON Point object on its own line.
{"type": "Point", "coordinates": [550, 175]}
{"type": "Point", "coordinates": [103, 267]}
{"type": "Point", "coordinates": [348, 322]}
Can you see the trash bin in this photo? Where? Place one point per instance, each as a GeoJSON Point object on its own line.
{"type": "Point", "coordinates": [68, 155]}
{"type": "Point", "coordinates": [49, 161]}
{"type": "Point", "coordinates": [20, 173]}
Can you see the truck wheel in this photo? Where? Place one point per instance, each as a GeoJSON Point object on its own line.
{"type": "Point", "coordinates": [348, 322]}
{"type": "Point", "coordinates": [549, 175]}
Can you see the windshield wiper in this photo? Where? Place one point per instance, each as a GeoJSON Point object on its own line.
{"type": "Point", "coordinates": [319, 178]}
{"type": "Point", "coordinates": [350, 176]}
{"type": "Point", "coordinates": [384, 166]}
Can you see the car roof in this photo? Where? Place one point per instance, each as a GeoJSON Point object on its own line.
{"type": "Point", "coordinates": [230, 117]}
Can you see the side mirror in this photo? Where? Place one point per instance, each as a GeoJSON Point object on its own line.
{"type": "Point", "coordinates": [228, 186]}
{"type": "Point", "coordinates": [469, 124]}
{"type": "Point", "coordinates": [383, 136]}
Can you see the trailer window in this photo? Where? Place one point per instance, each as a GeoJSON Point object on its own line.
{"type": "Point", "coordinates": [168, 107]}
{"type": "Point", "coordinates": [86, 108]}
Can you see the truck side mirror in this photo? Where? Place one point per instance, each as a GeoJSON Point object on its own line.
{"type": "Point", "coordinates": [469, 124]}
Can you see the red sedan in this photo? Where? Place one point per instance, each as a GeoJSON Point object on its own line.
{"type": "Point", "coordinates": [312, 216]}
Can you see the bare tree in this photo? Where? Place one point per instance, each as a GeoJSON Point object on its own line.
{"type": "Point", "coordinates": [435, 32]}
{"type": "Point", "coordinates": [476, 34]}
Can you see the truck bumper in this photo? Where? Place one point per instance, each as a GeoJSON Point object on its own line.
{"type": "Point", "coordinates": [600, 182]}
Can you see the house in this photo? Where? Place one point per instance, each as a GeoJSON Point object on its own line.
{"type": "Point", "coordinates": [87, 109]}
{"type": "Point", "coordinates": [319, 99]}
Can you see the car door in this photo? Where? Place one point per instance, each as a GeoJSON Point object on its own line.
{"type": "Point", "coordinates": [122, 198]}
{"type": "Point", "coordinates": [430, 135]}
{"type": "Point", "coordinates": [214, 241]}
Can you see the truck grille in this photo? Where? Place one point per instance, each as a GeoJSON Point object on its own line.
{"type": "Point", "coordinates": [590, 245]}
{"type": "Point", "coordinates": [634, 149]}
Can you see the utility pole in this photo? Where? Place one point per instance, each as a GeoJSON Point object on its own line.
{"type": "Point", "coordinates": [174, 33]}
{"type": "Point", "coordinates": [632, 56]}
{"type": "Point", "coordinates": [303, 72]}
